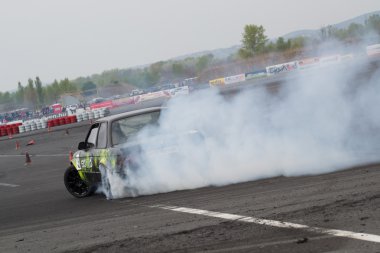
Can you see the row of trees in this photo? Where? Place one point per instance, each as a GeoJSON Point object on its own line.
{"type": "Point", "coordinates": [161, 72]}
{"type": "Point", "coordinates": [354, 32]}
{"type": "Point", "coordinates": [34, 95]}
{"type": "Point", "coordinates": [256, 42]}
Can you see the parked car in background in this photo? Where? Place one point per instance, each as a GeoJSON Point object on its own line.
{"type": "Point", "coordinates": [97, 100]}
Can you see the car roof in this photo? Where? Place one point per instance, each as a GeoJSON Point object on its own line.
{"type": "Point", "coordinates": [128, 114]}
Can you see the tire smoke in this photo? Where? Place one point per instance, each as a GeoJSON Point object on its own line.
{"type": "Point", "coordinates": [316, 122]}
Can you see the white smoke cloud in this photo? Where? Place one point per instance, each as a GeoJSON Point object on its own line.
{"type": "Point", "coordinates": [318, 122]}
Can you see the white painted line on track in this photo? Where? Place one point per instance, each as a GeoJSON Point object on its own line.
{"type": "Point", "coordinates": [47, 155]}
{"type": "Point", "coordinates": [274, 223]}
{"type": "Point", "coordinates": [51, 155]}
{"type": "Point", "coordinates": [9, 185]}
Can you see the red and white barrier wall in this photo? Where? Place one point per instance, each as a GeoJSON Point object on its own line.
{"type": "Point", "coordinates": [11, 129]}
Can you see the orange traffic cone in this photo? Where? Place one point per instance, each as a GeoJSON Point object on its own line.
{"type": "Point", "coordinates": [17, 145]}
{"type": "Point", "coordinates": [70, 155]}
{"type": "Point", "coordinates": [28, 161]}
{"type": "Point", "coordinates": [31, 142]}
{"type": "Point", "coordinates": [10, 136]}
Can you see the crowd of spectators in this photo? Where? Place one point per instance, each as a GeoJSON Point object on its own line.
{"type": "Point", "coordinates": [23, 114]}
{"type": "Point", "coordinates": [26, 114]}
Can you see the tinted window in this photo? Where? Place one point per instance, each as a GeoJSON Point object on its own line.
{"type": "Point", "coordinates": [124, 128]}
{"type": "Point", "coordinates": [92, 136]}
{"type": "Point", "coordinates": [102, 136]}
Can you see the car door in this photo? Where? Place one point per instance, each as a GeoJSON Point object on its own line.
{"type": "Point", "coordinates": [86, 157]}
{"type": "Point", "coordinates": [100, 148]}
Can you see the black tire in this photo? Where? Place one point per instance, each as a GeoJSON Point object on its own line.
{"type": "Point", "coordinates": [75, 185]}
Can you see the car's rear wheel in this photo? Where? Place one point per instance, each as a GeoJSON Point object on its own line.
{"type": "Point", "coordinates": [75, 185]}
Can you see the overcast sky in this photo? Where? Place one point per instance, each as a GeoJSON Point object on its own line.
{"type": "Point", "coordinates": [71, 38]}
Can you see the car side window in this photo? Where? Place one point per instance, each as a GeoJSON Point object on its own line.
{"type": "Point", "coordinates": [102, 136]}
{"type": "Point", "coordinates": [123, 129]}
{"type": "Point", "coordinates": [91, 139]}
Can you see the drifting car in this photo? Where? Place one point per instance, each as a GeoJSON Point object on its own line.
{"type": "Point", "coordinates": [105, 148]}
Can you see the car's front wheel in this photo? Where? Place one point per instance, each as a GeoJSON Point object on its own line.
{"type": "Point", "coordinates": [75, 185]}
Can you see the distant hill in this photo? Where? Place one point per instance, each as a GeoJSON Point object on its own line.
{"type": "Point", "coordinates": [223, 53]}
{"type": "Point", "coordinates": [219, 53]}
{"type": "Point", "coordinates": [303, 33]}
{"type": "Point", "coordinates": [359, 20]}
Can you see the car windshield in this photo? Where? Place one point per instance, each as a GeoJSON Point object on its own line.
{"type": "Point", "coordinates": [123, 129]}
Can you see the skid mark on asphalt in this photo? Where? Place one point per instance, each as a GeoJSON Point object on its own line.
{"type": "Point", "coordinates": [9, 185]}
{"type": "Point", "coordinates": [274, 223]}
{"type": "Point", "coordinates": [266, 244]}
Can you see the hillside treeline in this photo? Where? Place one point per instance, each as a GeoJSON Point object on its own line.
{"type": "Point", "coordinates": [35, 95]}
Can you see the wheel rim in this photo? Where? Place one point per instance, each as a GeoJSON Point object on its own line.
{"type": "Point", "coordinates": [76, 184]}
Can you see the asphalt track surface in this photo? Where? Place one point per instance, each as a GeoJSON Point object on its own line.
{"type": "Point", "coordinates": [335, 212]}
{"type": "Point", "coordinates": [37, 214]}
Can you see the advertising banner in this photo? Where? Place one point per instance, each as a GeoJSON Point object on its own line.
{"type": "Point", "coordinates": [126, 101]}
{"type": "Point", "coordinates": [373, 50]}
{"type": "Point", "coordinates": [154, 95]}
{"type": "Point", "coordinates": [256, 74]}
{"type": "Point", "coordinates": [59, 115]}
{"type": "Point", "coordinates": [347, 57]}
{"type": "Point", "coordinates": [107, 104]}
{"type": "Point", "coordinates": [282, 68]}
{"type": "Point", "coordinates": [328, 60]}
{"type": "Point", "coordinates": [183, 90]}
{"type": "Point", "coordinates": [217, 82]}
{"type": "Point", "coordinates": [234, 79]}
{"type": "Point", "coordinates": [57, 108]}
{"type": "Point", "coordinates": [308, 63]}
